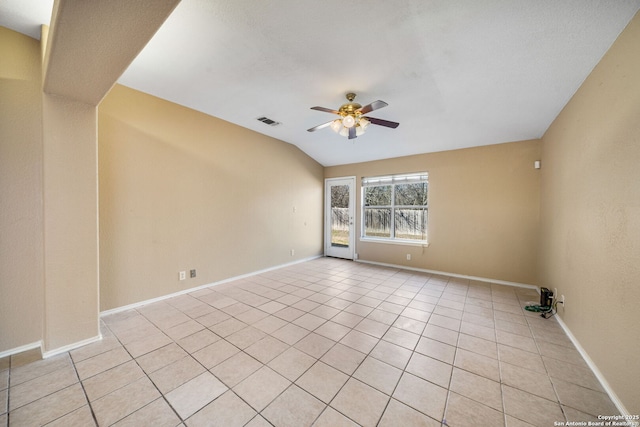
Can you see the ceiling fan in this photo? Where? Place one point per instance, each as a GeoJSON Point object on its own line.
{"type": "Point", "coordinates": [352, 121]}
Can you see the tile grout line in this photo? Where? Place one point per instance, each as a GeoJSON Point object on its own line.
{"type": "Point", "coordinates": [553, 385]}
{"type": "Point", "coordinates": [143, 371]}
{"type": "Point", "coordinates": [495, 333]}
{"type": "Point", "coordinates": [189, 355]}
{"type": "Point", "coordinates": [9, 391]}
{"type": "Point", "coordinates": [93, 414]}
{"type": "Point", "coordinates": [443, 421]}
{"type": "Point", "coordinates": [360, 364]}
{"type": "Point", "coordinates": [319, 360]}
{"type": "Point", "coordinates": [404, 370]}
{"type": "Point", "coordinates": [35, 378]}
{"type": "Point", "coordinates": [327, 405]}
{"type": "Point", "coordinates": [350, 376]}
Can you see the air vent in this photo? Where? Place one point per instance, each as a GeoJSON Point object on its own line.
{"type": "Point", "coordinates": [268, 121]}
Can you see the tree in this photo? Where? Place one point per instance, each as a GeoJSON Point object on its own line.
{"type": "Point", "coordinates": [411, 194]}
{"type": "Point", "coordinates": [379, 195]}
{"type": "Point", "coordinates": [340, 196]}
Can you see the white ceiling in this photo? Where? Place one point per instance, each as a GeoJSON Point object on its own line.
{"type": "Point", "coordinates": [455, 74]}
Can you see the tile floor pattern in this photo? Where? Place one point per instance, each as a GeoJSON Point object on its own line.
{"type": "Point", "coordinates": [326, 343]}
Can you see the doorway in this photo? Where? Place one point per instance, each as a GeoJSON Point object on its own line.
{"type": "Point", "coordinates": [339, 215]}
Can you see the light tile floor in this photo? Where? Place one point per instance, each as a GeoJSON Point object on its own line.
{"type": "Point", "coordinates": [327, 343]}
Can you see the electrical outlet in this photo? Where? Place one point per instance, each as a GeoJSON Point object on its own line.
{"type": "Point", "coordinates": [562, 300]}
{"type": "Point", "coordinates": [293, 252]}
{"type": "Point", "coordinates": [192, 273]}
{"type": "Point", "coordinates": [408, 257]}
{"type": "Point", "coordinates": [183, 275]}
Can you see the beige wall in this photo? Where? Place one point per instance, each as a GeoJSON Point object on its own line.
{"type": "Point", "coordinates": [48, 165]}
{"type": "Point", "coordinates": [181, 190]}
{"type": "Point", "coordinates": [483, 211]}
{"type": "Point", "coordinates": [70, 222]}
{"type": "Point", "coordinates": [590, 245]}
{"type": "Point", "coordinates": [21, 268]}
{"type": "Point", "coordinates": [48, 244]}
{"type": "Point", "coordinates": [82, 59]}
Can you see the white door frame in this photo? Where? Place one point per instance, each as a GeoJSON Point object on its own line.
{"type": "Point", "coordinates": [340, 251]}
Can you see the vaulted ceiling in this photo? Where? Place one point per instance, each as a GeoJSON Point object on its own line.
{"type": "Point", "coordinates": [455, 74]}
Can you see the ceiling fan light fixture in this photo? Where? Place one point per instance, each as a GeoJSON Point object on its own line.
{"type": "Point", "coordinates": [348, 121]}
{"type": "Point", "coordinates": [362, 126]}
{"type": "Point", "coordinates": [353, 122]}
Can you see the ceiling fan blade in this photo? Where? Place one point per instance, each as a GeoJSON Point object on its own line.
{"type": "Point", "coordinates": [352, 132]}
{"type": "Point", "coordinates": [375, 105]}
{"type": "Point", "coordinates": [315, 128]}
{"type": "Point", "coordinates": [381, 122]}
{"type": "Point", "coordinates": [326, 110]}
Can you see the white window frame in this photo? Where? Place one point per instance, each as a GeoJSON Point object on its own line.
{"type": "Point", "coordinates": [393, 180]}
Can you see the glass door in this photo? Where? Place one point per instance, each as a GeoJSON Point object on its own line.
{"type": "Point", "coordinates": [339, 217]}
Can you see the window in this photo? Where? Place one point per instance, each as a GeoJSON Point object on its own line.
{"type": "Point", "coordinates": [394, 208]}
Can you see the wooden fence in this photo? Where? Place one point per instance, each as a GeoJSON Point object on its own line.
{"type": "Point", "coordinates": [410, 223]}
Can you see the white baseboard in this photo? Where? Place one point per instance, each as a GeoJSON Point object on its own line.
{"type": "Point", "coordinates": [460, 276]}
{"type": "Point", "coordinates": [46, 354]}
{"type": "Point", "coordinates": [605, 385]}
{"type": "Point", "coordinates": [26, 347]}
{"type": "Point", "coordinates": [50, 353]}
{"type": "Point", "coordinates": [70, 347]}
{"type": "Point", "coordinates": [607, 388]}
{"type": "Point", "coordinates": [197, 288]}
